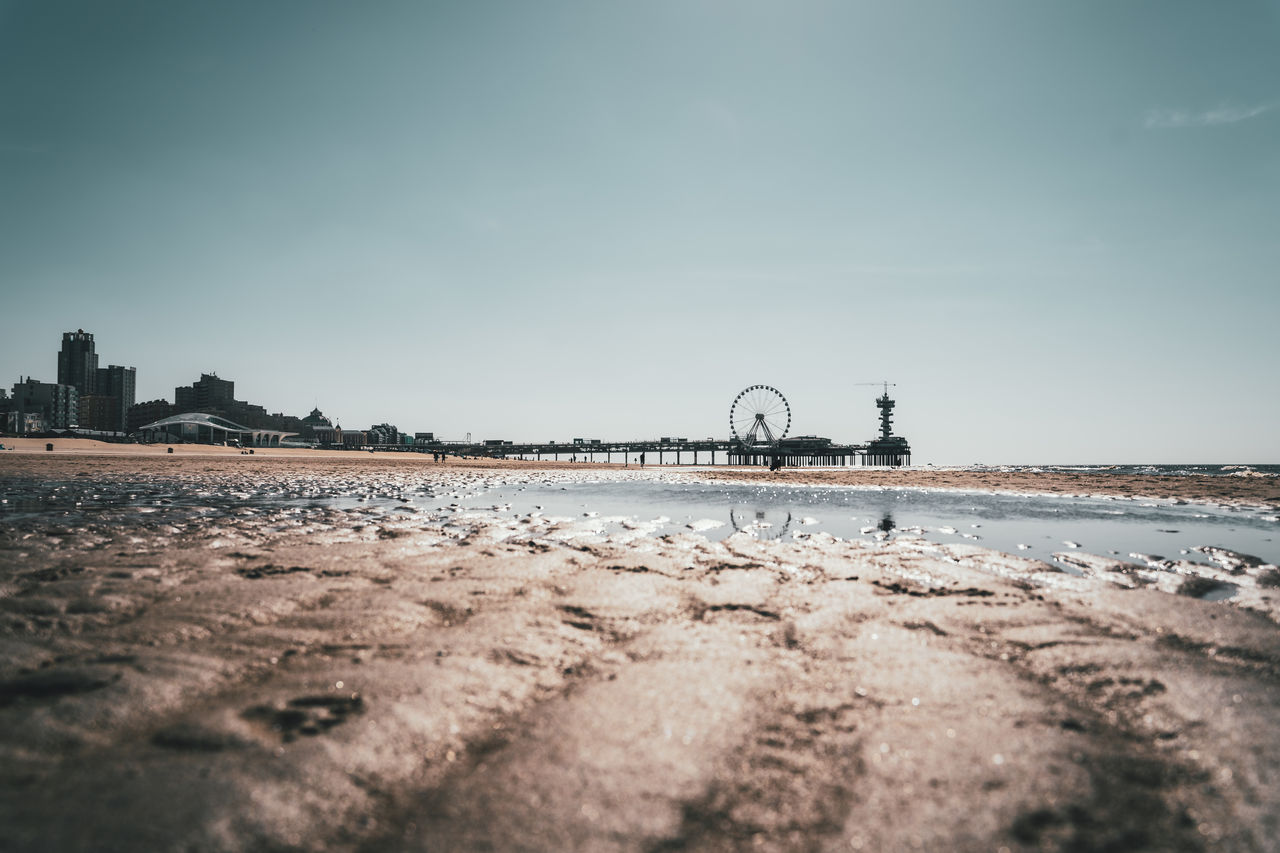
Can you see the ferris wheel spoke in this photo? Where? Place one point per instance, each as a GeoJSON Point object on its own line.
{"type": "Point", "coordinates": [759, 415]}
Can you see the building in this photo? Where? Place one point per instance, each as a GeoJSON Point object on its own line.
{"type": "Point", "coordinates": [140, 414]}
{"type": "Point", "coordinates": [209, 392]}
{"type": "Point", "coordinates": [887, 449]}
{"type": "Point", "coordinates": [57, 404]}
{"type": "Point", "coordinates": [215, 396]}
{"type": "Point", "coordinates": [250, 413]}
{"type": "Point", "coordinates": [120, 384]}
{"type": "Point", "coordinates": [99, 412]}
{"type": "Point", "coordinates": [78, 362]}
{"type": "Point", "coordinates": [326, 435]}
{"type": "Point", "coordinates": [78, 367]}
{"type": "Point", "coordinates": [203, 428]}
{"type": "Point", "coordinates": [314, 424]}
{"type": "Point", "coordinates": [383, 434]}
{"type": "Point", "coordinates": [317, 419]}
{"type": "Point", "coordinates": [24, 424]}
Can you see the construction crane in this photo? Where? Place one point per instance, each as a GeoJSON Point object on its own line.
{"type": "Point", "coordinates": [883, 382]}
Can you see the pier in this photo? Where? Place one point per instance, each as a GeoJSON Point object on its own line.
{"type": "Point", "coordinates": [759, 419]}
{"type": "Point", "coordinates": [802, 452]}
{"type": "Point", "coordinates": [759, 422]}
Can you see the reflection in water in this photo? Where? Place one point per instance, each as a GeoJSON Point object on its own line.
{"type": "Point", "coordinates": [761, 523]}
{"type": "Point", "coordinates": [1027, 525]}
{"type": "Point", "coordinates": [774, 523]}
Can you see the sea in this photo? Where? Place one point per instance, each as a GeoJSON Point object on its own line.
{"type": "Point", "coordinates": [1032, 525]}
{"type": "Point", "coordinates": [663, 502]}
{"type": "Point", "coordinates": [1160, 470]}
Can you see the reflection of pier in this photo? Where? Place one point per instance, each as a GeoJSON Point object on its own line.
{"type": "Point", "coordinates": [760, 523]}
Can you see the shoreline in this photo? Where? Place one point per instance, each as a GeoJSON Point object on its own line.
{"type": "Point", "coordinates": [1225, 490]}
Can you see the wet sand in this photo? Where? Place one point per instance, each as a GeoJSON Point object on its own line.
{"type": "Point", "coordinates": [1247, 489]}
{"type": "Point", "coordinates": [1242, 489]}
{"type": "Point", "coordinates": [355, 680]}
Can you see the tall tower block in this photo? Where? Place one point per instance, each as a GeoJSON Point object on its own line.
{"type": "Point", "coordinates": [78, 362]}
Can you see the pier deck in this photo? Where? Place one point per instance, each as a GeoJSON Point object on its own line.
{"type": "Point", "coordinates": [795, 453]}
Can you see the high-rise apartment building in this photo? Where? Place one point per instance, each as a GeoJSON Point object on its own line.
{"type": "Point", "coordinates": [208, 393]}
{"type": "Point", "coordinates": [108, 392]}
{"type": "Point", "coordinates": [78, 362]}
{"type": "Point", "coordinates": [120, 384]}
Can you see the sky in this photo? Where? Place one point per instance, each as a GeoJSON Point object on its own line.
{"type": "Point", "coordinates": [1055, 226]}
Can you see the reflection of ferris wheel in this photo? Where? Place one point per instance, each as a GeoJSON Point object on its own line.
{"type": "Point", "coordinates": [760, 415]}
{"type": "Point", "coordinates": [762, 524]}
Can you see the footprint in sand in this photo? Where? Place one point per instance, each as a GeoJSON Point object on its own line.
{"type": "Point", "coordinates": [306, 715]}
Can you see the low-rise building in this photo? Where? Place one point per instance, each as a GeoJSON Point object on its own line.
{"type": "Point", "coordinates": [151, 411]}
{"type": "Point", "coordinates": [57, 404]}
{"type": "Point", "coordinates": [204, 428]}
{"type": "Point", "coordinates": [19, 423]}
{"type": "Point", "coordinates": [99, 412]}
{"type": "Point", "coordinates": [383, 434]}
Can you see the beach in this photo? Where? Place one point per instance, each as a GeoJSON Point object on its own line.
{"type": "Point", "coordinates": [190, 669]}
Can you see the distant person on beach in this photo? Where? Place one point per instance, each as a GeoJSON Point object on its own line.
{"type": "Point", "coordinates": [641, 459]}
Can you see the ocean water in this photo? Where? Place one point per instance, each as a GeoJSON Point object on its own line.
{"type": "Point", "coordinates": [1158, 470]}
{"type": "Point", "coordinates": [663, 503]}
{"type": "Point", "coordinates": [1031, 525]}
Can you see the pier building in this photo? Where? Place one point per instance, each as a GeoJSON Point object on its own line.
{"type": "Point", "coordinates": [887, 448]}
{"type": "Point", "coordinates": [203, 428]}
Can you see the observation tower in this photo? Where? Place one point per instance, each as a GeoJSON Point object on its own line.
{"type": "Point", "coordinates": [887, 449]}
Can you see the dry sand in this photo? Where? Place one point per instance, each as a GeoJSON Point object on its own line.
{"type": "Point", "coordinates": [360, 681]}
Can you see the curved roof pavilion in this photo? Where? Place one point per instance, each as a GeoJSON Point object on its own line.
{"type": "Point", "coordinates": [202, 428]}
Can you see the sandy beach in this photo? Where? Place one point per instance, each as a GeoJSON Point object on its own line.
{"type": "Point", "coordinates": [275, 676]}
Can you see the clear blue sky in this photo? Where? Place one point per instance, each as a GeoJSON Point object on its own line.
{"type": "Point", "coordinates": [1055, 225]}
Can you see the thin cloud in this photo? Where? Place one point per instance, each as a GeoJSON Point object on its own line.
{"type": "Point", "coordinates": [1164, 119]}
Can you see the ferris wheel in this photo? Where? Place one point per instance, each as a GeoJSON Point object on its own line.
{"type": "Point", "coordinates": [762, 524]}
{"type": "Point", "coordinates": [759, 416]}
